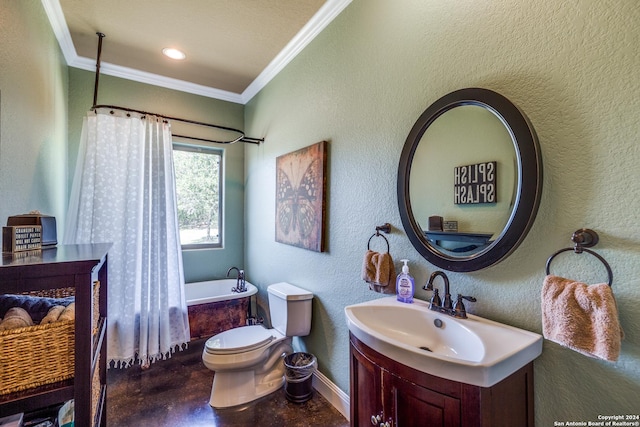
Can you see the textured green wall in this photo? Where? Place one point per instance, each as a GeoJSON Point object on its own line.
{"type": "Point", "coordinates": [33, 113]}
{"type": "Point", "coordinates": [572, 66]}
{"type": "Point", "coordinates": [198, 264]}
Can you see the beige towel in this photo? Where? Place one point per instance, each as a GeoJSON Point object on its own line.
{"type": "Point", "coordinates": [379, 272]}
{"type": "Point", "coordinates": [581, 317]}
{"type": "Point", "coordinates": [16, 317]}
{"type": "Point", "coordinates": [53, 314]}
{"type": "Point", "coordinates": [69, 313]}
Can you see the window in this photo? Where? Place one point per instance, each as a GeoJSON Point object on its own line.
{"type": "Point", "coordinates": [198, 173]}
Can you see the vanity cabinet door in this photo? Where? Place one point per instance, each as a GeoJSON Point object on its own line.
{"type": "Point", "coordinates": [387, 393]}
{"type": "Point", "coordinates": [410, 405]}
{"type": "Point", "coordinates": [366, 390]}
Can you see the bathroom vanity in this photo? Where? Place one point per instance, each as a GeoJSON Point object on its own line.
{"type": "Point", "coordinates": [387, 393]}
{"type": "Point", "coordinates": [80, 267]}
{"type": "Point", "coordinates": [472, 158]}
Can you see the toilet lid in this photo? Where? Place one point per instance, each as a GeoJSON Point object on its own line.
{"type": "Point", "coordinates": [239, 340]}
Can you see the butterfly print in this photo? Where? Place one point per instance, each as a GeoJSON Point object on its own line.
{"type": "Point", "coordinates": [296, 204]}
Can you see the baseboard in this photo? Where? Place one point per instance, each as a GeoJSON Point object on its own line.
{"type": "Point", "coordinates": [338, 398]}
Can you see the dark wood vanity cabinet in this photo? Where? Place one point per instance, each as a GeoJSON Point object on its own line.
{"type": "Point", "coordinates": [79, 267]}
{"type": "Point", "coordinates": [387, 393]}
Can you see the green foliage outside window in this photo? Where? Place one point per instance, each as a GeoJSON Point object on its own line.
{"type": "Point", "coordinates": [198, 179]}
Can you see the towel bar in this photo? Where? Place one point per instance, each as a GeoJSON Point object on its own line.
{"type": "Point", "coordinates": [583, 238]}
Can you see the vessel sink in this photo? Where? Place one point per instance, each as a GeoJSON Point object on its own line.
{"type": "Point", "coordinates": [474, 350]}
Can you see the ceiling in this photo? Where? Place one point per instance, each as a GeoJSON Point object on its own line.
{"type": "Point", "coordinates": [233, 47]}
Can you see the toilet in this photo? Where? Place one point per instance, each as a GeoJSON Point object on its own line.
{"type": "Point", "coordinates": [247, 361]}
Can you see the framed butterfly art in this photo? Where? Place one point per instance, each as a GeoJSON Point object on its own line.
{"type": "Point", "coordinates": [300, 197]}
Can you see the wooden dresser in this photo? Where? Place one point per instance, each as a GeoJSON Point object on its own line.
{"type": "Point", "coordinates": [80, 267]}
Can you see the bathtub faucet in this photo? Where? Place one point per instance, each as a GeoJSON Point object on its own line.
{"type": "Point", "coordinates": [241, 285]}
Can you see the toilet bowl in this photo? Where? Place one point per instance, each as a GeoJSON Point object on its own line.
{"type": "Point", "coordinates": [247, 361]}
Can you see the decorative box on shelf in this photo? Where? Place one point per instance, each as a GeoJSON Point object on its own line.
{"type": "Point", "coordinates": [48, 224]}
{"type": "Point", "coordinates": [18, 238]}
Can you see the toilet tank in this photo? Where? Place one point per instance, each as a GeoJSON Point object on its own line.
{"type": "Point", "coordinates": [290, 309]}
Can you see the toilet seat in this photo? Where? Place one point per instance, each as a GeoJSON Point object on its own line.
{"type": "Point", "coordinates": [241, 340]}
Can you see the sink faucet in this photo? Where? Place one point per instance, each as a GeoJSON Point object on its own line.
{"type": "Point", "coordinates": [447, 293]}
{"type": "Point", "coordinates": [446, 307]}
{"type": "Point", "coordinates": [241, 285]}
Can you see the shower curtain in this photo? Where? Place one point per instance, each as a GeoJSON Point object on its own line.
{"type": "Point", "coordinates": [124, 192]}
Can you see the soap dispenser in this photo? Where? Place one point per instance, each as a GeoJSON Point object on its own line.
{"type": "Point", "coordinates": [405, 285]}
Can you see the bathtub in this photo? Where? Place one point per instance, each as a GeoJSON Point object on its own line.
{"type": "Point", "coordinates": [214, 291]}
{"type": "Point", "coordinates": [214, 308]}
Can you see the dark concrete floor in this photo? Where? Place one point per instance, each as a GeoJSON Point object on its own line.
{"type": "Point", "coordinates": [175, 392]}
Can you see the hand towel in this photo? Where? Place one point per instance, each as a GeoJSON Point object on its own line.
{"type": "Point", "coordinates": [53, 315]}
{"type": "Point", "coordinates": [379, 272]}
{"type": "Point", "coordinates": [16, 317]}
{"type": "Point", "coordinates": [69, 313]}
{"type": "Point", "coordinates": [37, 307]}
{"type": "Point", "coordinates": [581, 317]}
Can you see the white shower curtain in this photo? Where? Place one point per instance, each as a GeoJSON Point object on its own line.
{"type": "Point", "coordinates": [124, 193]}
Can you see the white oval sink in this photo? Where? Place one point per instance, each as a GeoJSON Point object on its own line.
{"type": "Point", "coordinates": [474, 351]}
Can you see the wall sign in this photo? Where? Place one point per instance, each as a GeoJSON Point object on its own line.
{"type": "Point", "coordinates": [475, 184]}
{"type": "Point", "coordinates": [21, 238]}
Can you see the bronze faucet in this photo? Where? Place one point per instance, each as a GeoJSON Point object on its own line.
{"type": "Point", "coordinates": [240, 282]}
{"type": "Point", "coordinates": [446, 307]}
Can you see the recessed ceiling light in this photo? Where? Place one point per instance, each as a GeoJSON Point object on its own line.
{"type": "Point", "coordinates": [173, 53]}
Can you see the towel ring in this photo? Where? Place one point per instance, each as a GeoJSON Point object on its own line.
{"type": "Point", "coordinates": [583, 239]}
{"type": "Point", "coordinates": [386, 227]}
{"type": "Point", "coordinates": [374, 235]}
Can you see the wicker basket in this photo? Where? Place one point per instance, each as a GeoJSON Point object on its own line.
{"type": "Point", "coordinates": [41, 354]}
{"type": "Point", "coordinates": [96, 391]}
{"type": "Point", "coordinates": [52, 293]}
{"type": "Point", "coordinates": [95, 312]}
{"type": "Point", "coordinates": [36, 355]}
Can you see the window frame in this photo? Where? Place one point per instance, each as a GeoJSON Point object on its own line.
{"type": "Point", "coordinates": [195, 148]}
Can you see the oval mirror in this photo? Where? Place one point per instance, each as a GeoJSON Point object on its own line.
{"type": "Point", "coordinates": [469, 180]}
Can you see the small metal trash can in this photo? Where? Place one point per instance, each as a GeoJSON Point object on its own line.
{"type": "Point", "coordinates": [299, 368]}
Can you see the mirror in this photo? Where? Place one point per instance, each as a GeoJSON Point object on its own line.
{"type": "Point", "coordinates": [469, 180]}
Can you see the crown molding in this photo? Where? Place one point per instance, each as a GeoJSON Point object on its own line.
{"type": "Point", "coordinates": [320, 20]}
{"type": "Point", "coordinates": [59, 26]}
{"type": "Point", "coordinates": [327, 13]}
{"type": "Point", "coordinates": [127, 73]}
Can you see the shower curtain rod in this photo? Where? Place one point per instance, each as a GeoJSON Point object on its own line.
{"type": "Point", "coordinates": [241, 138]}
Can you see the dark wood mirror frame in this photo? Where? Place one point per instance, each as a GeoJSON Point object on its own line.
{"type": "Point", "coordinates": [529, 176]}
